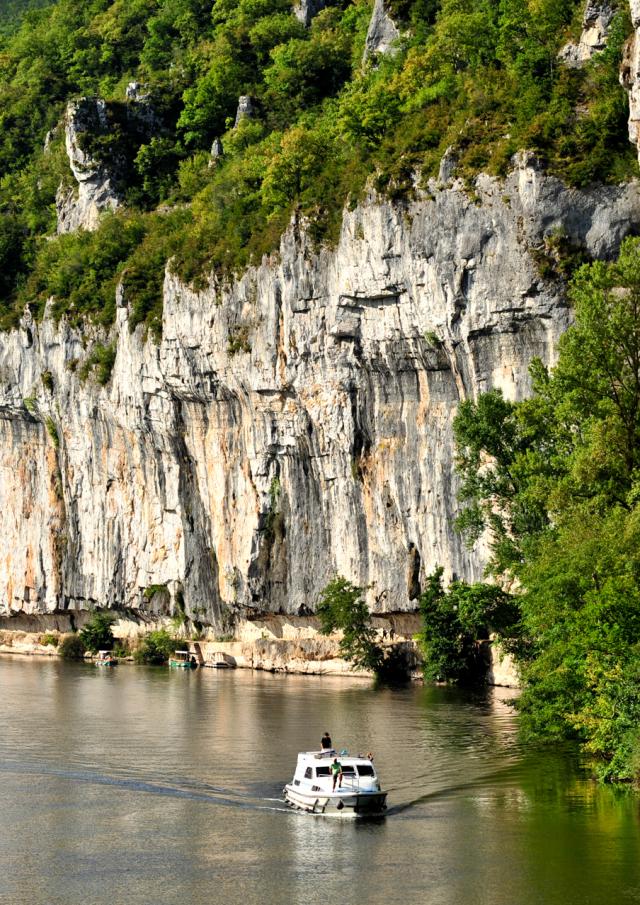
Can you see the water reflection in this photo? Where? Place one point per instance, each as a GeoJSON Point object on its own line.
{"type": "Point", "coordinates": [147, 786]}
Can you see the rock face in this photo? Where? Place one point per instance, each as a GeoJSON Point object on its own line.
{"type": "Point", "coordinates": [630, 75]}
{"type": "Point", "coordinates": [307, 10]}
{"type": "Point", "coordinates": [595, 30]}
{"type": "Point", "coordinates": [291, 425]}
{"type": "Point", "coordinates": [382, 33]}
{"type": "Point", "coordinates": [245, 109]}
{"type": "Point", "coordinates": [217, 151]}
{"type": "Point", "coordinates": [80, 207]}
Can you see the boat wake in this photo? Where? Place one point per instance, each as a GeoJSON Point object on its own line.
{"type": "Point", "coordinates": [186, 789]}
{"type": "Point", "coordinates": [490, 778]}
{"type": "Point", "coordinates": [260, 798]}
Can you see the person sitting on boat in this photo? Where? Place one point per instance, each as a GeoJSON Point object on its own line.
{"type": "Point", "coordinates": [336, 770]}
{"type": "Point", "coordinates": [325, 742]}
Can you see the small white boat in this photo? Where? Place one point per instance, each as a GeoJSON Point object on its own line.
{"type": "Point", "coordinates": [220, 660]}
{"type": "Point", "coordinates": [105, 658]}
{"type": "Point", "coordinates": [358, 795]}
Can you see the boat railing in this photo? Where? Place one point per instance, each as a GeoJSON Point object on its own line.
{"type": "Point", "coordinates": [350, 781]}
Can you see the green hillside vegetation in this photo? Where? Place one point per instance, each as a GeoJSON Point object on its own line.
{"type": "Point", "coordinates": [12, 12]}
{"type": "Point", "coordinates": [555, 480]}
{"type": "Point", "coordinates": [475, 74]}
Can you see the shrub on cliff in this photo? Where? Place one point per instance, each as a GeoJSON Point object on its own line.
{"type": "Point", "coordinates": [49, 640]}
{"type": "Point", "coordinates": [72, 648]}
{"type": "Point", "coordinates": [155, 648]}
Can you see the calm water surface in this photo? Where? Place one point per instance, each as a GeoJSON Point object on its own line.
{"type": "Point", "coordinates": [143, 786]}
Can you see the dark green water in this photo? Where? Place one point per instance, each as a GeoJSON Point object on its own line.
{"type": "Point", "coordinates": [143, 786]}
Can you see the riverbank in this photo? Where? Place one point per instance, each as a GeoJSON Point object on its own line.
{"type": "Point", "coordinates": [272, 643]}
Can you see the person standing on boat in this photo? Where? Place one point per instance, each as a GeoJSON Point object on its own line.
{"type": "Point", "coordinates": [325, 743]}
{"type": "Point", "coordinates": [336, 770]}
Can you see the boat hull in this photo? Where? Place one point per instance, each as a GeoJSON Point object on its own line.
{"type": "Point", "coordinates": [341, 804]}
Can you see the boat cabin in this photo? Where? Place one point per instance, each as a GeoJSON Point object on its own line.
{"type": "Point", "coordinates": [183, 658]}
{"type": "Point", "coordinates": [314, 774]}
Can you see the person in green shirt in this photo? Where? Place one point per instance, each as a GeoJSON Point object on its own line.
{"type": "Point", "coordinates": [336, 770]}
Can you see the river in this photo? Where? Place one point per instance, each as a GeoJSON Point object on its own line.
{"type": "Point", "coordinates": [138, 785]}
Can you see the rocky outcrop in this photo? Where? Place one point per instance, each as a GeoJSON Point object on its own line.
{"type": "Point", "coordinates": [307, 10]}
{"type": "Point", "coordinates": [217, 152]}
{"type": "Point", "coordinates": [503, 670]}
{"type": "Point", "coordinates": [141, 112]}
{"type": "Point", "coordinates": [630, 74]}
{"type": "Point", "coordinates": [383, 33]}
{"type": "Point", "coordinates": [246, 109]}
{"type": "Point", "coordinates": [292, 424]}
{"type": "Point", "coordinates": [448, 164]}
{"type": "Point", "coordinates": [593, 39]}
{"type": "Point", "coordinates": [80, 207]}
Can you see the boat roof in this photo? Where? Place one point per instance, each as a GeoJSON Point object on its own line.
{"type": "Point", "coordinates": [327, 757]}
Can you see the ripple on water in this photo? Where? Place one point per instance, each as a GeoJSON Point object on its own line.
{"type": "Point", "coordinates": [156, 786]}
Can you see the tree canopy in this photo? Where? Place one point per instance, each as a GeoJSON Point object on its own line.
{"type": "Point", "coordinates": [554, 481]}
{"type": "Point", "coordinates": [342, 608]}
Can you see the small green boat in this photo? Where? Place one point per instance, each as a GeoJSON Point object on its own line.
{"type": "Point", "coordinates": [183, 659]}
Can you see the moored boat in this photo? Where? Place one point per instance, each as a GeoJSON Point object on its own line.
{"type": "Point", "coordinates": [356, 792]}
{"type": "Point", "coordinates": [183, 659]}
{"type": "Point", "coordinates": [105, 658]}
{"type": "Point", "coordinates": [220, 660]}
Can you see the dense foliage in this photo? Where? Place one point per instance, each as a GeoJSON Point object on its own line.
{"type": "Point", "coordinates": [12, 11]}
{"type": "Point", "coordinates": [97, 634]}
{"type": "Point", "coordinates": [155, 648]}
{"type": "Point", "coordinates": [556, 482]}
{"type": "Point", "coordinates": [71, 647]}
{"type": "Point", "coordinates": [477, 75]}
{"type": "Point", "coordinates": [456, 621]}
{"type": "Point", "coordinates": [342, 608]}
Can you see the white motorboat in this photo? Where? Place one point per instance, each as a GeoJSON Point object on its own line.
{"type": "Point", "coordinates": [356, 794]}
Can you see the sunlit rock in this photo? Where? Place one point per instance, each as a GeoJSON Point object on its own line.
{"type": "Point", "coordinates": [292, 424]}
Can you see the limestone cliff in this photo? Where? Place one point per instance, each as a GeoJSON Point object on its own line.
{"type": "Point", "coordinates": [630, 74]}
{"type": "Point", "coordinates": [291, 424]}
{"type": "Point", "coordinates": [596, 22]}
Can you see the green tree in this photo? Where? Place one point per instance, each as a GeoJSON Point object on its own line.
{"type": "Point", "coordinates": [155, 648]}
{"type": "Point", "coordinates": [581, 614]}
{"type": "Point", "coordinates": [456, 621]}
{"type": "Point", "coordinates": [342, 608]}
{"type": "Point", "coordinates": [71, 647]}
{"type": "Point", "coordinates": [97, 634]}
{"type": "Point", "coordinates": [577, 438]}
{"type": "Point", "coordinates": [292, 171]}
{"type": "Point", "coordinates": [555, 481]}
{"type": "Point", "coordinates": [304, 71]}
